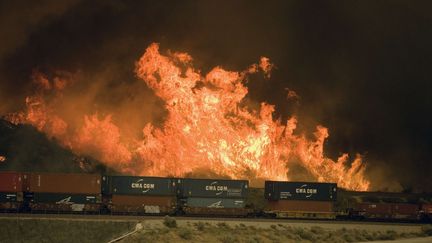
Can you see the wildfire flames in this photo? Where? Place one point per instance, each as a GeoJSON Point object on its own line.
{"type": "Point", "coordinates": [207, 127]}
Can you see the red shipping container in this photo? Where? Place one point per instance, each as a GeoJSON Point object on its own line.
{"type": "Point", "coordinates": [405, 209]}
{"type": "Point", "coordinates": [65, 183]}
{"type": "Point", "coordinates": [11, 182]}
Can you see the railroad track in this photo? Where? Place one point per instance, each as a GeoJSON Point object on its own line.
{"type": "Point", "coordinates": [100, 217]}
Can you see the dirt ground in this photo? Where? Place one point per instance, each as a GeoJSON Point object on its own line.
{"type": "Point", "coordinates": [201, 230]}
{"type": "Point", "coordinates": [93, 228]}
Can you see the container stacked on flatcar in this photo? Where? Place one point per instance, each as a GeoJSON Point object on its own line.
{"type": "Point", "coordinates": [139, 195]}
{"type": "Point", "coordinates": [63, 192]}
{"type": "Point", "coordinates": [11, 187]}
{"type": "Point", "coordinates": [300, 199]}
{"type": "Point", "coordinates": [213, 196]}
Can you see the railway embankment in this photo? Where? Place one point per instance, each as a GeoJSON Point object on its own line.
{"type": "Point", "coordinates": [158, 229]}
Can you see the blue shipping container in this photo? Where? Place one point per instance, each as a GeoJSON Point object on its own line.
{"type": "Point", "coordinates": [138, 185]}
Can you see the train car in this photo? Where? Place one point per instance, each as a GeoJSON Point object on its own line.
{"type": "Point", "coordinates": [300, 199]}
{"type": "Point", "coordinates": [139, 195]}
{"type": "Point", "coordinates": [90, 193]}
{"type": "Point", "coordinates": [383, 206]}
{"type": "Point", "coordinates": [11, 187]}
{"type": "Point", "coordinates": [63, 192]}
{"type": "Point", "coordinates": [213, 197]}
{"type": "Point", "coordinates": [385, 211]}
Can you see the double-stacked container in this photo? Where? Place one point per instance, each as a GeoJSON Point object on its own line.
{"type": "Point", "coordinates": [213, 197]}
{"type": "Point", "coordinates": [300, 199]}
{"type": "Point", "coordinates": [63, 192]}
{"type": "Point", "coordinates": [140, 195]}
{"type": "Point", "coordinates": [11, 190]}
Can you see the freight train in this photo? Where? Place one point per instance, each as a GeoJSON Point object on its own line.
{"type": "Point", "coordinates": [138, 195]}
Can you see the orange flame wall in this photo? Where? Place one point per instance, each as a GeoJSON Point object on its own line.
{"type": "Point", "coordinates": [206, 128]}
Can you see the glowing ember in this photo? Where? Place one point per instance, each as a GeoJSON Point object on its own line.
{"type": "Point", "coordinates": [2, 158]}
{"type": "Point", "coordinates": [206, 128]}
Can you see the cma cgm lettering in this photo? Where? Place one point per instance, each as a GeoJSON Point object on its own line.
{"type": "Point", "coordinates": [306, 191]}
{"type": "Point", "coordinates": [142, 185]}
{"type": "Point", "coordinates": [213, 188]}
{"type": "Point", "coordinates": [216, 188]}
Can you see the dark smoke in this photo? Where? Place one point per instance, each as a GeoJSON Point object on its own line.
{"type": "Point", "coordinates": [361, 68]}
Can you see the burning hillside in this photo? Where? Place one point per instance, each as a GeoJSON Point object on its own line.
{"type": "Point", "coordinates": [208, 127]}
{"type": "Point", "coordinates": [24, 148]}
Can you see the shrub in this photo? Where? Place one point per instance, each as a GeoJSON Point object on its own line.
{"type": "Point", "coordinates": [228, 239]}
{"type": "Point", "coordinates": [427, 229]}
{"type": "Point", "coordinates": [170, 222]}
{"type": "Point", "coordinates": [163, 230]}
{"type": "Point", "coordinates": [185, 233]}
{"type": "Point", "coordinates": [307, 235]}
{"type": "Point", "coordinates": [348, 237]}
{"type": "Point", "coordinates": [317, 230]}
{"type": "Point", "coordinates": [200, 226]}
{"type": "Point", "coordinates": [222, 224]}
{"type": "Point", "coordinates": [392, 234]}
{"type": "Point", "coordinates": [290, 235]}
{"type": "Point", "coordinates": [386, 236]}
{"type": "Point", "coordinates": [257, 239]}
{"type": "Point", "coordinates": [367, 236]}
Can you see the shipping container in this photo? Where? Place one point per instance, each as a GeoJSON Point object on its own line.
{"type": "Point", "coordinates": [285, 190]}
{"type": "Point", "coordinates": [65, 183]}
{"type": "Point", "coordinates": [214, 202]}
{"type": "Point", "coordinates": [64, 207]}
{"type": "Point", "coordinates": [11, 182]}
{"type": "Point", "coordinates": [213, 188]}
{"type": "Point", "coordinates": [386, 211]}
{"type": "Point", "coordinates": [142, 204]}
{"type": "Point", "coordinates": [405, 211]}
{"type": "Point", "coordinates": [138, 185]}
{"type": "Point", "coordinates": [63, 202]}
{"type": "Point", "coordinates": [63, 198]}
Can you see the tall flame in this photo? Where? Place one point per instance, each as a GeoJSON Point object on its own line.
{"type": "Point", "coordinates": [207, 127]}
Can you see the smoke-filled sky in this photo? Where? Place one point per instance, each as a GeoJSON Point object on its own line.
{"type": "Point", "coordinates": [361, 68]}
